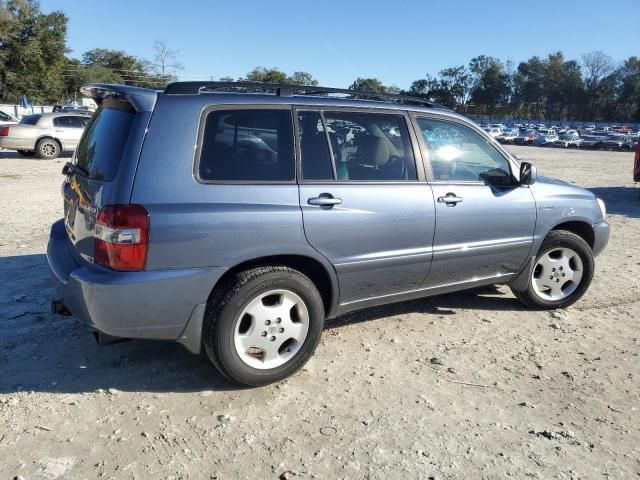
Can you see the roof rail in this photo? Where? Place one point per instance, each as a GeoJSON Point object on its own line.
{"type": "Point", "coordinates": [286, 90]}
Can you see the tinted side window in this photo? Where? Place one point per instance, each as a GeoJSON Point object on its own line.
{"type": "Point", "coordinates": [66, 122]}
{"type": "Point", "coordinates": [247, 145]}
{"type": "Point", "coordinates": [314, 149]}
{"type": "Point", "coordinates": [365, 147]}
{"type": "Point", "coordinates": [79, 122]}
{"type": "Point", "coordinates": [458, 153]}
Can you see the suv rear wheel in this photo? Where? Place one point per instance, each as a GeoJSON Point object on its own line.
{"type": "Point", "coordinates": [48, 148]}
{"type": "Point", "coordinates": [263, 324]}
{"type": "Point", "coordinates": [561, 274]}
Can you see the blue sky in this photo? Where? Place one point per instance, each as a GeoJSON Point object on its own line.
{"type": "Point", "coordinates": [337, 41]}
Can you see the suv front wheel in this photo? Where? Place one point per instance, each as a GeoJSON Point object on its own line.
{"type": "Point", "coordinates": [562, 272]}
{"type": "Point", "coordinates": [263, 324]}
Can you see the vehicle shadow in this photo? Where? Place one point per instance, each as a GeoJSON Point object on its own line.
{"type": "Point", "coordinates": [620, 200]}
{"type": "Point", "coordinates": [489, 298]}
{"type": "Point", "coordinates": [49, 353]}
{"type": "Point", "coordinates": [13, 154]}
{"type": "Point", "coordinates": [42, 352]}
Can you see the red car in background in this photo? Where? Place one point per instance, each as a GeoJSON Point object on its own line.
{"type": "Point", "coordinates": [636, 165]}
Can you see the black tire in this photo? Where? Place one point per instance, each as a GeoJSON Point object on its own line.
{"type": "Point", "coordinates": [556, 239]}
{"type": "Point", "coordinates": [227, 303]}
{"type": "Point", "coordinates": [27, 153]}
{"type": "Point", "coordinates": [48, 148]}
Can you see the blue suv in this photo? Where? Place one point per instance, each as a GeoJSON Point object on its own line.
{"type": "Point", "coordinates": [235, 217]}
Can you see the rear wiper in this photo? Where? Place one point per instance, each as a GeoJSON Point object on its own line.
{"type": "Point", "coordinates": [70, 168]}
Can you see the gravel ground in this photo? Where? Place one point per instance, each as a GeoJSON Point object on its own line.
{"type": "Point", "coordinates": [467, 385]}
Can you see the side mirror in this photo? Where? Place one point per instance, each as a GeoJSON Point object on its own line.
{"type": "Point", "coordinates": [528, 173]}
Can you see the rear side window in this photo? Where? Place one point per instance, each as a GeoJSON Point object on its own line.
{"type": "Point", "coordinates": [67, 122]}
{"type": "Point", "coordinates": [355, 146]}
{"type": "Point", "coordinates": [30, 120]}
{"type": "Point", "coordinates": [247, 145]}
{"type": "Point", "coordinates": [100, 149]}
{"type": "Point", "coordinates": [4, 117]}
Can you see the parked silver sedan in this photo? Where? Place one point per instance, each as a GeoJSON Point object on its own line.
{"type": "Point", "coordinates": [45, 135]}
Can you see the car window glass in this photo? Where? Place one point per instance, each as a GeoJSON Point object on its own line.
{"type": "Point", "coordinates": [4, 117]}
{"type": "Point", "coordinates": [314, 148]}
{"type": "Point", "coordinates": [247, 145]}
{"type": "Point", "coordinates": [458, 153]}
{"type": "Point", "coordinates": [78, 122]}
{"type": "Point", "coordinates": [64, 122]}
{"type": "Point", "coordinates": [102, 144]}
{"type": "Point", "coordinates": [365, 147]}
{"type": "Point", "coordinates": [30, 120]}
{"type": "Point", "coordinates": [84, 121]}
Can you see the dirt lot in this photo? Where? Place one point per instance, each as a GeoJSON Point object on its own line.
{"type": "Point", "coordinates": [519, 393]}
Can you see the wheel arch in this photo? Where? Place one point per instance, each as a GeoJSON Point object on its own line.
{"type": "Point", "coordinates": [42, 137]}
{"type": "Point", "coordinates": [583, 229]}
{"type": "Point", "coordinates": [322, 275]}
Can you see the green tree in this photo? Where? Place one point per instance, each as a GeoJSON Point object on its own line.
{"type": "Point", "coordinates": [302, 78]}
{"type": "Point", "coordinates": [490, 83]}
{"type": "Point", "coordinates": [629, 89]}
{"type": "Point", "coordinates": [271, 75]}
{"type": "Point", "coordinates": [529, 87]}
{"type": "Point", "coordinates": [457, 82]}
{"type": "Point", "coordinates": [32, 49]}
{"type": "Point", "coordinates": [367, 85]}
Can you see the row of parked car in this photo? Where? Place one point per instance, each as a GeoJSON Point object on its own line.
{"type": "Point", "coordinates": [587, 136]}
{"type": "Point", "coordinates": [45, 135]}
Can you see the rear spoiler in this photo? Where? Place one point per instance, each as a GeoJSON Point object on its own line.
{"type": "Point", "coordinates": [142, 99]}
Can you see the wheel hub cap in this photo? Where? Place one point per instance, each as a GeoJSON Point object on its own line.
{"type": "Point", "coordinates": [557, 274]}
{"type": "Point", "coordinates": [271, 329]}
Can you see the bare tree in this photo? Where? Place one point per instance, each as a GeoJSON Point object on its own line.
{"type": "Point", "coordinates": [165, 57]}
{"type": "Point", "coordinates": [597, 66]}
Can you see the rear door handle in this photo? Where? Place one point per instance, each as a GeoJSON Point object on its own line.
{"type": "Point", "coordinates": [450, 199]}
{"type": "Point", "coordinates": [324, 200]}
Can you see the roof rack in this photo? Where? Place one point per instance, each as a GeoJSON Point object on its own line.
{"type": "Point", "coordinates": [286, 90]}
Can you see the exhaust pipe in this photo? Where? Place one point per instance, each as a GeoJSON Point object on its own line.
{"type": "Point", "coordinates": [58, 308]}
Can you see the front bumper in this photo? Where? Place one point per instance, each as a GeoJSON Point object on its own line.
{"type": "Point", "coordinates": [601, 236]}
{"type": "Point", "coordinates": [150, 304]}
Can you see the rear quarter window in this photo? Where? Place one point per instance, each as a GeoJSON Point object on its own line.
{"type": "Point", "coordinates": [247, 145]}
{"type": "Point", "coordinates": [100, 149]}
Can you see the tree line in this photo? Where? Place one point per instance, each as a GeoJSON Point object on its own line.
{"type": "Point", "coordinates": [34, 62]}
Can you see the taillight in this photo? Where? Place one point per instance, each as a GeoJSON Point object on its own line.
{"type": "Point", "coordinates": [121, 237]}
{"type": "Point", "coordinates": [4, 131]}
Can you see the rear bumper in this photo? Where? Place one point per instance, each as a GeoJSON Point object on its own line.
{"type": "Point", "coordinates": [16, 143]}
{"type": "Point", "coordinates": [150, 304]}
{"type": "Point", "coordinates": [601, 236]}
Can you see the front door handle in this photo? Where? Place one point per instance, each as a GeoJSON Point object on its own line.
{"type": "Point", "coordinates": [450, 199]}
{"type": "Point", "coordinates": [324, 200]}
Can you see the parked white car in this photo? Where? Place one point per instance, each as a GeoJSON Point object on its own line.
{"type": "Point", "coordinates": [495, 132]}
{"type": "Point", "coordinates": [45, 135]}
